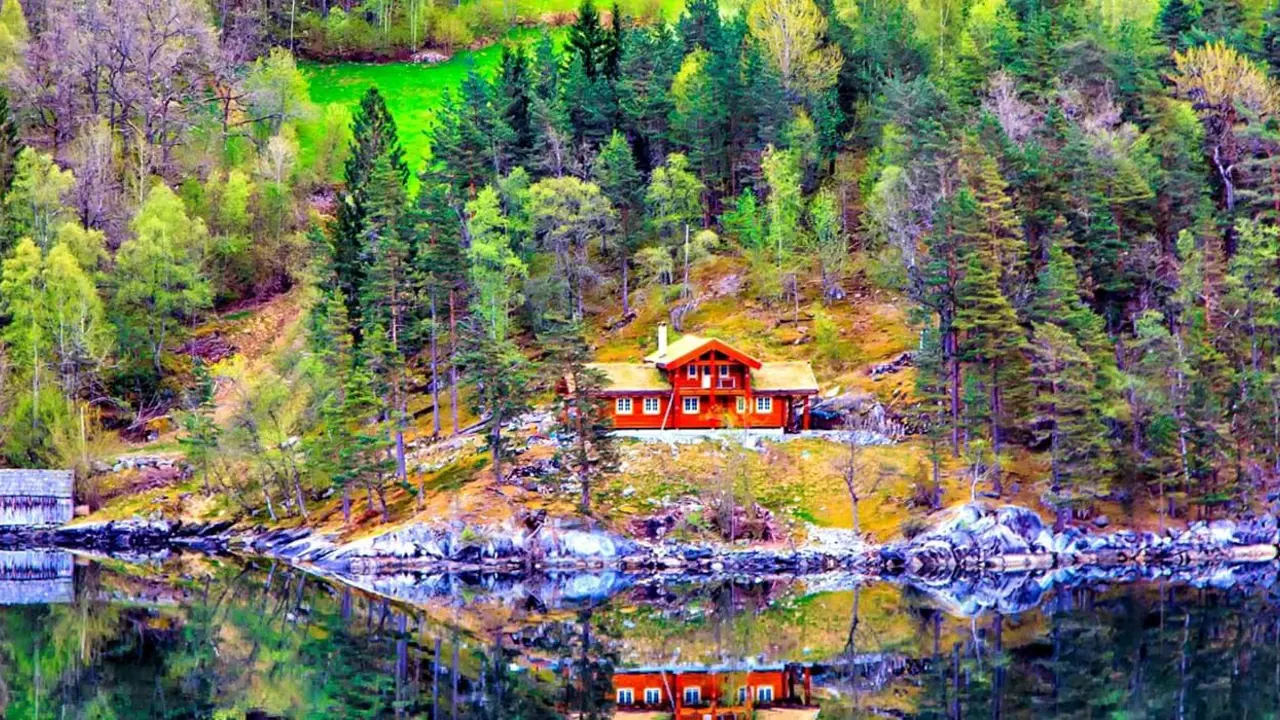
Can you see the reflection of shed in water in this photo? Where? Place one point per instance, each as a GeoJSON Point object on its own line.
{"type": "Point", "coordinates": [721, 692]}
{"type": "Point", "coordinates": [36, 576]}
{"type": "Point", "coordinates": [35, 497]}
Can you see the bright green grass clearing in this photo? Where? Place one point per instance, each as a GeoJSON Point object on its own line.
{"type": "Point", "coordinates": [412, 91]}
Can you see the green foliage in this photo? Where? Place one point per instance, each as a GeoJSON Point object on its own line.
{"type": "Point", "coordinates": [159, 281]}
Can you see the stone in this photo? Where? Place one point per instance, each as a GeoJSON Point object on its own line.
{"type": "Point", "coordinates": [1101, 521]}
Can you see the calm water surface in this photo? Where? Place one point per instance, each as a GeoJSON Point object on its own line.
{"type": "Point", "coordinates": [199, 637]}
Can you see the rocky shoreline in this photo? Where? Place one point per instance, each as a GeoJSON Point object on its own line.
{"type": "Point", "coordinates": [980, 538]}
{"type": "Point", "coordinates": [965, 541]}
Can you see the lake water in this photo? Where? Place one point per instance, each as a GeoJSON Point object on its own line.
{"type": "Point", "coordinates": [200, 637]}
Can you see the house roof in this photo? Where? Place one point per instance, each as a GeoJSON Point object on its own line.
{"type": "Point", "coordinates": [779, 376]}
{"type": "Point", "coordinates": [793, 377]}
{"type": "Point", "coordinates": [632, 377]}
{"type": "Point", "coordinates": [689, 347]}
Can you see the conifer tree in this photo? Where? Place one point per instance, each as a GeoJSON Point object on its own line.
{"type": "Point", "coordinates": [1174, 22]}
{"type": "Point", "coordinates": [586, 425]}
{"type": "Point", "coordinates": [374, 137]}
{"type": "Point", "coordinates": [615, 172]}
{"type": "Point", "coordinates": [443, 265]}
{"type": "Point", "coordinates": [993, 339]}
{"type": "Point", "coordinates": [499, 375]}
{"type": "Point", "coordinates": [515, 95]}
{"type": "Point", "coordinates": [1067, 411]}
{"type": "Point", "coordinates": [387, 290]}
{"type": "Point", "coordinates": [930, 411]}
{"type": "Point", "coordinates": [588, 40]}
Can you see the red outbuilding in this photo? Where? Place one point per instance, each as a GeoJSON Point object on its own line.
{"type": "Point", "coordinates": [704, 383]}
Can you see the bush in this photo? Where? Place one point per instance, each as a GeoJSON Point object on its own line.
{"type": "Point", "coordinates": [913, 526]}
{"type": "Point", "coordinates": [884, 268]}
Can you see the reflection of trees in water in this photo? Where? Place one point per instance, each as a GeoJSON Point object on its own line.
{"type": "Point", "coordinates": [250, 638]}
{"type": "Point", "coordinates": [1138, 652]}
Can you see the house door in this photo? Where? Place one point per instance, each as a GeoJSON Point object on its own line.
{"type": "Point", "coordinates": [706, 378]}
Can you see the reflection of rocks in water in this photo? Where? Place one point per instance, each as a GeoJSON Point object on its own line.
{"type": "Point", "coordinates": [544, 591]}
{"type": "Point", "coordinates": [36, 576]}
{"type": "Point", "coordinates": [970, 594]}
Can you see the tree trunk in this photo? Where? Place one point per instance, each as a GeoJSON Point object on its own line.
{"type": "Point", "coordinates": [453, 361]}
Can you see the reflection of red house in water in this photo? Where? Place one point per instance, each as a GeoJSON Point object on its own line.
{"type": "Point", "coordinates": [712, 693]}
{"type": "Point", "coordinates": [701, 383]}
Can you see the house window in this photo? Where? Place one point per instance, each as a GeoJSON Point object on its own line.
{"type": "Point", "coordinates": [652, 696]}
{"type": "Point", "coordinates": [622, 406]}
{"type": "Point", "coordinates": [652, 406]}
{"type": "Point", "coordinates": [691, 372]}
{"type": "Point", "coordinates": [724, 371]}
{"type": "Point", "coordinates": [742, 405]}
{"type": "Point", "coordinates": [692, 695]}
{"type": "Point", "coordinates": [691, 406]}
{"type": "Point", "coordinates": [626, 696]}
{"type": "Point", "coordinates": [742, 695]}
{"type": "Point", "coordinates": [764, 693]}
{"type": "Point", "coordinates": [764, 405]}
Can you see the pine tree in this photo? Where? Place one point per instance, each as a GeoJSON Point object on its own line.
{"type": "Point", "coordinates": [650, 58]}
{"type": "Point", "coordinates": [387, 290]}
{"type": "Point", "coordinates": [586, 426]}
{"type": "Point", "coordinates": [1176, 20]}
{"type": "Point", "coordinates": [588, 41]}
{"type": "Point", "coordinates": [515, 94]}
{"type": "Point", "coordinates": [698, 118]}
{"type": "Point", "coordinates": [361, 442]}
{"type": "Point", "coordinates": [993, 339]}
{"type": "Point", "coordinates": [201, 433]}
{"type": "Point", "coordinates": [10, 146]}
{"type": "Point", "coordinates": [615, 172]}
{"type": "Point", "coordinates": [1271, 38]}
{"type": "Point", "coordinates": [500, 375]}
{"type": "Point", "coordinates": [443, 265]}
{"type": "Point", "coordinates": [1067, 411]}
{"type": "Point", "coordinates": [374, 136]}
{"type": "Point", "coordinates": [930, 410]}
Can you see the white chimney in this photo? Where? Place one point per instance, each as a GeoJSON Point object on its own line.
{"type": "Point", "coordinates": [662, 339]}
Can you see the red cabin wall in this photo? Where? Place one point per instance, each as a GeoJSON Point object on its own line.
{"type": "Point", "coordinates": [722, 688]}
{"type": "Point", "coordinates": [637, 420]}
{"type": "Point", "coordinates": [714, 411]}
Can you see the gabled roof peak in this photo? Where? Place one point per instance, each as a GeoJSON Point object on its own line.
{"type": "Point", "coordinates": [691, 347]}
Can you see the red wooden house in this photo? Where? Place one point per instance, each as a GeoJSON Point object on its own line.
{"type": "Point", "coordinates": [702, 383]}
{"type": "Point", "coordinates": [722, 693]}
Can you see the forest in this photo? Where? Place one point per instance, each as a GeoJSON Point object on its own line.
{"type": "Point", "coordinates": [1077, 200]}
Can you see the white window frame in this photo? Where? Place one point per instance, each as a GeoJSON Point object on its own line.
{"type": "Point", "coordinates": [693, 692]}
{"type": "Point", "coordinates": [742, 695]}
{"type": "Point", "coordinates": [691, 371]}
{"type": "Point", "coordinates": [742, 405]}
{"type": "Point", "coordinates": [764, 694]}
{"type": "Point", "coordinates": [764, 405]}
{"type": "Point", "coordinates": [652, 696]}
{"type": "Point", "coordinates": [697, 406]}
{"type": "Point", "coordinates": [623, 406]}
{"type": "Point", "coordinates": [657, 405]}
{"type": "Point", "coordinates": [723, 370]}
{"type": "Point", "coordinates": [626, 696]}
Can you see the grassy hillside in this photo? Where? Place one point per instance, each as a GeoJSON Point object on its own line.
{"type": "Point", "coordinates": [412, 90]}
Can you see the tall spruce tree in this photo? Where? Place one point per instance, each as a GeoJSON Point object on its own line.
{"type": "Point", "coordinates": [616, 174]}
{"type": "Point", "coordinates": [374, 137]}
{"type": "Point", "coordinates": [993, 339]}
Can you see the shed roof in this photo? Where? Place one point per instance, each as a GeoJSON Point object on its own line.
{"type": "Point", "coordinates": [789, 376]}
{"type": "Point", "coordinates": [689, 347]}
{"type": "Point", "coordinates": [36, 483]}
